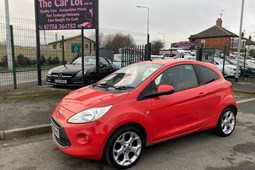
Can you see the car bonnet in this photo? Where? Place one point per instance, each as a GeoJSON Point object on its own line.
{"type": "Point", "coordinates": [87, 97]}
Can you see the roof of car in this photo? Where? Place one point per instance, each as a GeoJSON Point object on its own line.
{"type": "Point", "coordinates": [175, 61]}
{"type": "Point", "coordinates": [168, 62]}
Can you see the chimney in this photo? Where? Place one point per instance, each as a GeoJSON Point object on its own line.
{"type": "Point", "coordinates": [219, 22]}
{"type": "Point", "coordinates": [250, 37]}
{"type": "Point", "coordinates": [242, 34]}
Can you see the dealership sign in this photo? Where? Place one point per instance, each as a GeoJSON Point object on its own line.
{"type": "Point", "coordinates": [184, 45]}
{"type": "Point", "coordinates": [66, 14]}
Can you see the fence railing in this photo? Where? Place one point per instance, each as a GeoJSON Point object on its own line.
{"type": "Point", "coordinates": [19, 70]}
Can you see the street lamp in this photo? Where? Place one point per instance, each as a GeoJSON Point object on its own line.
{"type": "Point", "coordinates": [8, 36]}
{"type": "Point", "coordinates": [239, 43]}
{"type": "Point", "coordinates": [148, 35]}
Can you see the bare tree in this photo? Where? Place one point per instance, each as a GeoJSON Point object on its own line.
{"type": "Point", "coordinates": [101, 39]}
{"type": "Point", "coordinates": [156, 46]}
{"type": "Point", "coordinates": [117, 41]}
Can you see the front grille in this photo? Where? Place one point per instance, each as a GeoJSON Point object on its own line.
{"type": "Point", "coordinates": [61, 76]}
{"type": "Point", "coordinates": [63, 139]}
{"type": "Point", "coordinates": [55, 123]}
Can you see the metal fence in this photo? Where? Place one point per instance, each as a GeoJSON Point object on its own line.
{"type": "Point", "coordinates": [60, 47]}
{"type": "Point", "coordinates": [227, 64]}
{"type": "Point", "coordinates": [57, 47]}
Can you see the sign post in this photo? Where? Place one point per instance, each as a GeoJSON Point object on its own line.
{"type": "Point", "coordinates": [97, 37]}
{"type": "Point", "coordinates": [66, 14]}
{"type": "Point", "coordinates": [38, 45]}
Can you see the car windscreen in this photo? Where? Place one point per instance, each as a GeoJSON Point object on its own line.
{"type": "Point", "coordinates": [130, 77]}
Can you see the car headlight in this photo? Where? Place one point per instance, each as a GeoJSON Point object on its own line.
{"type": "Point", "coordinates": [79, 74]}
{"type": "Point", "coordinates": [89, 115]}
{"type": "Point", "coordinates": [49, 72]}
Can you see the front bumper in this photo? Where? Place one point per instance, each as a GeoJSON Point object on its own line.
{"type": "Point", "coordinates": [80, 140]}
{"type": "Point", "coordinates": [67, 81]}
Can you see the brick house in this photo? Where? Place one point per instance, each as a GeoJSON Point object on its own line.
{"type": "Point", "coordinates": [218, 37]}
{"type": "Point", "coordinates": [250, 45]}
{"type": "Point", "coordinates": [89, 47]}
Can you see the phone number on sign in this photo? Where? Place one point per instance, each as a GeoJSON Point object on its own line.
{"type": "Point", "coordinates": [57, 26]}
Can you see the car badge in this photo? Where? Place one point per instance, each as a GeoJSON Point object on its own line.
{"type": "Point", "coordinates": [59, 112]}
{"type": "Point", "coordinates": [60, 76]}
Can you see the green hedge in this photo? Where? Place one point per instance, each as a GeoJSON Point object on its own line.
{"type": "Point", "coordinates": [23, 61]}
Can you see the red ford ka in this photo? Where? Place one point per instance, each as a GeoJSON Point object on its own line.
{"type": "Point", "coordinates": [141, 105]}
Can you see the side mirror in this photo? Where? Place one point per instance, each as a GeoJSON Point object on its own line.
{"type": "Point", "coordinates": [162, 90]}
{"type": "Point", "coordinates": [165, 89]}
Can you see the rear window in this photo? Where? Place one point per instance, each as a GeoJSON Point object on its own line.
{"type": "Point", "coordinates": [205, 74]}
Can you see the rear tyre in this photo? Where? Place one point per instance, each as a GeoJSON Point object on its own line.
{"type": "Point", "coordinates": [226, 123]}
{"type": "Point", "coordinates": [124, 147]}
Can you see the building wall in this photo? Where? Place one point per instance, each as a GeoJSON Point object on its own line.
{"type": "Point", "coordinates": [250, 47]}
{"type": "Point", "coordinates": [218, 43]}
{"type": "Point", "coordinates": [67, 46]}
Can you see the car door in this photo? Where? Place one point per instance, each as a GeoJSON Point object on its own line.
{"type": "Point", "coordinates": [209, 80]}
{"type": "Point", "coordinates": [183, 111]}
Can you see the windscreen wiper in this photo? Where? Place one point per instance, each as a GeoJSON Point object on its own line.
{"type": "Point", "coordinates": [103, 85]}
{"type": "Point", "coordinates": [124, 87]}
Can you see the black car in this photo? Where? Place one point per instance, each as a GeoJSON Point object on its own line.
{"type": "Point", "coordinates": [71, 74]}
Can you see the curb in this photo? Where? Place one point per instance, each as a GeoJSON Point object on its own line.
{"type": "Point", "coordinates": [25, 132]}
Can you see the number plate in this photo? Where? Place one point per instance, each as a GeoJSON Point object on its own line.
{"type": "Point", "coordinates": [60, 81]}
{"type": "Point", "coordinates": [55, 130]}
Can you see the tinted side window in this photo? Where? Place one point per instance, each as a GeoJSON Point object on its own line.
{"type": "Point", "coordinates": [181, 77]}
{"type": "Point", "coordinates": [205, 74]}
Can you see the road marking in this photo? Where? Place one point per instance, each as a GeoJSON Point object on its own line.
{"type": "Point", "coordinates": [244, 101]}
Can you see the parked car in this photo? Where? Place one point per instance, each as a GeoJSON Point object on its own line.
{"type": "Point", "coordinates": [140, 105]}
{"type": "Point", "coordinates": [157, 57]}
{"type": "Point", "coordinates": [117, 61]}
{"type": "Point", "coordinates": [229, 69]}
{"type": "Point", "coordinates": [248, 70]}
{"type": "Point", "coordinates": [125, 59]}
{"type": "Point", "coordinates": [71, 74]}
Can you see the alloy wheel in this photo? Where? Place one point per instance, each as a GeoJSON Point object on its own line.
{"type": "Point", "coordinates": [127, 148]}
{"type": "Point", "coordinates": [228, 122]}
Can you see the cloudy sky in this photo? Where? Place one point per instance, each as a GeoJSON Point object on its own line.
{"type": "Point", "coordinates": [175, 20]}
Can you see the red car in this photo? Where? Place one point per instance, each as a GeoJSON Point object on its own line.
{"type": "Point", "coordinates": [141, 105]}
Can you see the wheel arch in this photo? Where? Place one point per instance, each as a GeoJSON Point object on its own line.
{"type": "Point", "coordinates": [233, 107]}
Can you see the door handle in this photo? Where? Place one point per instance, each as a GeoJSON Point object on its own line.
{"type": "Point", "coordinates": [201, 94]}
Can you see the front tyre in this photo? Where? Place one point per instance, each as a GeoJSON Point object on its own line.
{"type": "Point", "coordinates": [226, 123]}
{"type": "Point", "coordinates": [125, 147]}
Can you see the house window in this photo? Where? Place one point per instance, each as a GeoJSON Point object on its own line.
{"type": "Point", "coordinates": [202, 43]}
{"type": "Point", "coordinates": [54, 46]}
{"type": "Point", "coordinates": [60, 45]}
{"type": "Point", "coordinates": [86, 46]}
{"type": "Point", "coordinates": [234, 43]}
{"type": "Point", "coordinates": [243, 44]}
